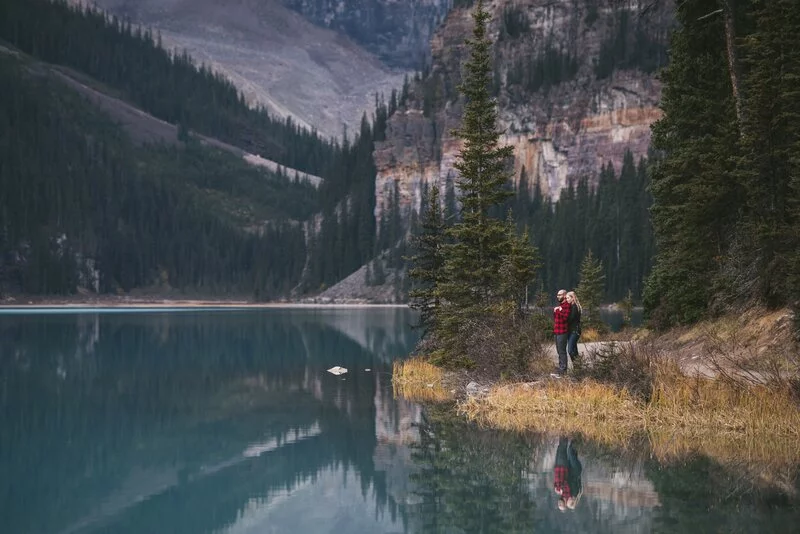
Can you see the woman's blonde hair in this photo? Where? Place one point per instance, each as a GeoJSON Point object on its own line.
{"type": "Point", "coordinates": [574, 297]}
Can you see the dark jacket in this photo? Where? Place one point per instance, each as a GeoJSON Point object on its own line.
{"type": "Point", "coordinates": [574, 320]}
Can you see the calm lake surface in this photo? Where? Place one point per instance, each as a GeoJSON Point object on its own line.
{"type": "Point", "coordinates": [227, 422]}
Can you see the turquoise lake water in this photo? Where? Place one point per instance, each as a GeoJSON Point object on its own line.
{"type": "Point", "coordinates": [226, 421]}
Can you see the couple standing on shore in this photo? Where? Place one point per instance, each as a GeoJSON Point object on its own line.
{"type": "Point", "coordinates": [567, 328]}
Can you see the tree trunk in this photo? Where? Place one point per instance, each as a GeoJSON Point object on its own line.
{"type": "Point", "coordinates": [733, 59]}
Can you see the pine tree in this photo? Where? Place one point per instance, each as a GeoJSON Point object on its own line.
{"type": "Point", "coordinates": [626, 305]}
{"type": "Point", "coordinates": [590, 288]}
{"type": "Point", "coordinates": [772, 143]}
{"type": "Point", "coordinates": [486, 265]}
{"type": "Point", "coordinates": [478, 240]}
{"type": "Point", "coordinates": [695, 186]}
{"type": "Point", "coordinates": [426, 263]}
{"type": "Point", "coordinates": [519, 266]}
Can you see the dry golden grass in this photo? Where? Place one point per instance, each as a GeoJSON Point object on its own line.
{"type": "Point", "coordinates": [755, 327]}
{"type": "Point", "coordinates": [698, 405]}
{"type": "Point", "coordinates": [608, 414]}
{"type": "Point", "coordinates": [417, 380]}
{"type": "Point", "coordinates": [754, 424]}
{"type": "Point", "coordinates": [685, 414]}
{"type": "Point", "coordinates": [589, 335]}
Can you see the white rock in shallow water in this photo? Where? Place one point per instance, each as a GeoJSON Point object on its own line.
{"type": "Point", "coordinates": [337, 370]}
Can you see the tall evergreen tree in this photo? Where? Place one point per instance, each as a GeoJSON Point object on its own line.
{"type": "Point", "coordinates": [590, 288]}
{"type": "Point", "coordinates": [427, 262]}
{"type": "Point", "coordinates": [483, 258]}
{"type": "Point", "coordinates": [478, 240]}
{"type": "Point", "coordinates": [771, 228]}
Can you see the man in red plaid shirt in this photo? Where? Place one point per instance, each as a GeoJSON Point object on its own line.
{"type": "Point", "coordinates": [560, 315]}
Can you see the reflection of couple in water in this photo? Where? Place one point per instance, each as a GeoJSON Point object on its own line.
{"type": "Point", "coordinates": [567, 470]}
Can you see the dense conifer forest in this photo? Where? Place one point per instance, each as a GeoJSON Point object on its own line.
{"type": "Point", "coordinates": [162, 217]}
{"type": "Point", "coordinates": [612, 220]}
{"type": "Point", "coordinates": [80, 204]}
{"type": "Point", "coordinates": [726, 194]}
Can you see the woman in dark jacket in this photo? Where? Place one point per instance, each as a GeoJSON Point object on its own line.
{"type": "Point", "coordinates": [573, 326]}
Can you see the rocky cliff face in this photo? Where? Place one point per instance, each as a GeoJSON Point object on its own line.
{"type": "Point", "coordinates": [397, 31]}
{"type": "Point", "coordinates": [576, 87]}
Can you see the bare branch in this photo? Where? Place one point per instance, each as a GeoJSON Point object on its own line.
{"type": "Point", "coordinates": [717, 12]}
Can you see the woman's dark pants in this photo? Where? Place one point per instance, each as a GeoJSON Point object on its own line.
{"type": "Point", "coordinates": [572, 345]}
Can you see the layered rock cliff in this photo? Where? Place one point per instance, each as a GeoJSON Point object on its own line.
{"type": "Point", "coordinates": [576, 87]}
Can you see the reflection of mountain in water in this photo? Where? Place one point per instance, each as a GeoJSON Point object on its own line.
{"type": "Point", "coordinates": [184, 423]}
{"type": "Point", "coordinates": [382, 331]}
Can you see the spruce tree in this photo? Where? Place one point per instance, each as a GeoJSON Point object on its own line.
{"type": "Point", "coordinates": [771, 228]}
{"type": "Point", "coordinates": [426, 263]}
{"type": "Point", "coordinates": [590, 288]}
{"type": "Point", "coordinates": [478, 240]}
{"type": "Point", "coordinates": [518, 268]}
{"type": "Point", "coordinates": [694, 186]}
{"type": "Point", "coordinates": [486, 266]}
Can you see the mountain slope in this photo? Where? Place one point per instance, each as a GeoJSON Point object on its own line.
{"type": "Point", "coordinates": [272, 54]}
{"type": "Point", "coordinates": [144, 128]}
{"type": "Point", "coordinates": [83, 206]}
{"type": "Point", "coordinates": [133, 66]}
{"type": "Point", "coordinates": [397, 32]}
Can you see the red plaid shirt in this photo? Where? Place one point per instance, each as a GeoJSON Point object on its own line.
{"type": "Point", "coordinates": [560, 317]}
{"type": "Point", "coordinates": [561, 485]}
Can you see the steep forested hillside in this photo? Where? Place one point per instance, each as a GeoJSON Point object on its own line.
{"type": "Point", "coordinates": [171, 87]}
{"type": "Point", "coordinates": [81, 205]}
{"type": "Point", "coordinates": [162, 217]}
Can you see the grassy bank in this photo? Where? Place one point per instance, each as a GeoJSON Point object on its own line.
{"type": "Point", "coordinates": [690, 406]}
{"type": "Point", "coordinates": [420, 381]}
{"type": "Point", "coordinates": [749, 411]}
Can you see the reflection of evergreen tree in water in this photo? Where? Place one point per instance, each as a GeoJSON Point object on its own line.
{"type": "Point", "coordinates": [177, 393]}
{"type": "Point", "coordinates": [701, 495]}
{"type": "Point", "coordinates": [470, 479]}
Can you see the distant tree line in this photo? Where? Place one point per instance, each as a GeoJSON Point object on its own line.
{"type": "Point", "coordinates": [611, 220]}
{"type": "Point", "coordinates": [544, 70]}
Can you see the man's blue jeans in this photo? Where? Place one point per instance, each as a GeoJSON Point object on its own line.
{"type": "Point", "coordinates": [561, 349]}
